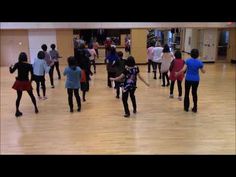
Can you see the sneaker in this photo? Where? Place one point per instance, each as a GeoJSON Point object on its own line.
{"type": "Point", "coordinates": [44, 98]}
{"type": "Point", "coordinates": [52, 86]}
{"type": "Point", "coordinates": [79, 109]}
{"type": "Point", "coordinates": [117, 97]}
{"type": "Point", "coordinates": [186, 110]}
{"type": "Point", "coordinates": [167, 85]}
{"type": "Point", "coordinates": [180, 98]}
{"type": "Point", "coordinates": [84, 99]}
{"type": "Point", "coordinates": [134, 111]}
{"type": "Point", "coordinates": [155, 78]}
{"type": "Point", "coordinates": [18, 114]}
{"type": "Point", "coordinates": [39, 97]}
{"type": "Point", "coordinates": [163, 85]}
{"type": "Point", "coordinates": [171, 96]}
{"type": "Point", "coordinates": [194, 110]}
{"type": "Point", "coordinates": [36, 110]}
{"type": "Point", "coordinates": [71, 110]}
{"type": "Point", "coordinates": [126, 115]}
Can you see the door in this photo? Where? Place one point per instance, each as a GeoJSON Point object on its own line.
{"type": "Point", "coordinates": [39, 37]}
{"type": "Point", "coordinates": [209, 45]}
{"type": "Point", "coordinates": [223, 45]}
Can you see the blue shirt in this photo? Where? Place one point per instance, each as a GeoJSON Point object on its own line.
{"type": "Point", "coordinates": [112, 57]}
{"type": "Point", "coordinates": [40, 67]}
{"type": "Point", "coordinates": [193, 66]}
{"type": "Point", "coordinates": [73, 77]}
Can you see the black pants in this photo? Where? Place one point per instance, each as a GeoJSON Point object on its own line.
{"type": "Point", "coordinates": [165, 75]}
{"type": "Point", "coordinates": [19, 95]}
{"type": "Point", "coordinates": [154, 66]}
{"type": "Point", "coordinates": [92, 62]}
{"type": "Point", "coordinates": [70, 98]}
{"type": "Point", "coordinates": [57, 68]}
{"type": "Point", "coordinates": [149, 65]}
{"type": "Point", "coordinates": [40, 80]}
{"type": "Point", "coordinates": [125, 96]}
{"type": "Point", "coordinates": [117, 86]}
{"type": "Point", "coordinates": [172, 84]}
{"type": "Point", "coordinates": [110, 74]}
{"type": "Point", "coordinates": [51, 75]}
{"type": "Point", "coordinates": [159, 68]}
{"type": "Point", "coordinates": [188, 85]}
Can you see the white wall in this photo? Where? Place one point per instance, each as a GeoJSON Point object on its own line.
{"type": "Point", "coordinates": [39, 37]}
{"type": "Point", "coordinates": [188, 40]}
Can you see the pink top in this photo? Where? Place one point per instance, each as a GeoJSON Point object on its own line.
{"type": "Point", "coordinates": [93, 54]}
{"type": "Point", "coordinates": [150, 53]}
{"type": "Point", "coordinates": [177, 65]}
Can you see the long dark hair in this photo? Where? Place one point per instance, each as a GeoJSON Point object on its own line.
{"type": "Point", "coordinates": [22, 57]}
{"type": "Point", "coordinates": [166, 49]}
{"type": "Point", "coordinates": [130, 61]}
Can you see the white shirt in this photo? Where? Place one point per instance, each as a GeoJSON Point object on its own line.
{"type": "Point", "coordinates": [157, 54]}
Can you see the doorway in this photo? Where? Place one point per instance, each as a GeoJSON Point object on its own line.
{"type": "Point", "coordinates": [223, 43]}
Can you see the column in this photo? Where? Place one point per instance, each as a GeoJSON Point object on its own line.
{"type": "Point", "coordinates": [139, 45]}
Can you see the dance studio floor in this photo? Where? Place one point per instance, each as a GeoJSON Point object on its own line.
{"type": "Point", "coordinates": [159, 127]}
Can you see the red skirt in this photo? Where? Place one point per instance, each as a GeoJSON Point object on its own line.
{"type": "Point", "coordinates": [22, 85]}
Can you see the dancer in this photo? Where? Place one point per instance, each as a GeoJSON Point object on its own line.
{"type": "Point", "coordinates": [176, 65]}
{"type": "Point", "coordinates": [129, 85]}
{"type": "Point", "coordinates": [40, 67]}
{"type": "Point", "coordinates": [22, 82]}
{"type": "Point", "coordinates": [192, 66]}
{"type": "Point", "coordinates": [72, 84]}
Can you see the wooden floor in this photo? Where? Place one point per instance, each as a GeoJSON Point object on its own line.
{"type": "Point", "coordinates": [160, 126]}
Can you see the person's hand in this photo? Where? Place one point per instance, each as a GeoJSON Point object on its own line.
{"type": "Point", "coordinates": [176, 74]}
{"type": "Point", "coordinates": [112, 79]}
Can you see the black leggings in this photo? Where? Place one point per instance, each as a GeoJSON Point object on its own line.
{"type": "Point", "coordinates": [188, 85]}
{"type": "Point", "coordinates": [165, 75]}
{"type": "Point", "coordinates": [92, 62]}
{"type": "Point", "coordinates": [110, 74]}
{"type": "Point", "coordinates": [56, 64]}
{"type": "Point", "coordinates": [117, 86]}
{"type": "Point", "coordinates": [172, 84]}
{"type": "Point", "coordinates": [149, 65]}
{"type": "Point", "coordinates": [70, 98]}
{"type": "Point", "coordinates": [42, 81]}
{"type": "Point", "coordinates": [125, 100]}
{"type": "Point", "coordinates": [154, 66]}
{"type": "Point", "coordinates": [19, 96]}
{"type": "Point", "coordinates": [51, 75]}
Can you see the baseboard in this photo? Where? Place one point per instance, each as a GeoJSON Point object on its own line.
{"type": "Point", "coordinates": [233, 61]}
{"type": "Point", "coordinates": [141, 63]}
{"type": "Point", "coordinates": [208, 61]}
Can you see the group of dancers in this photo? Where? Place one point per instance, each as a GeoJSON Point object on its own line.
{"type": "Point", "coordinates": [123, 71]}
